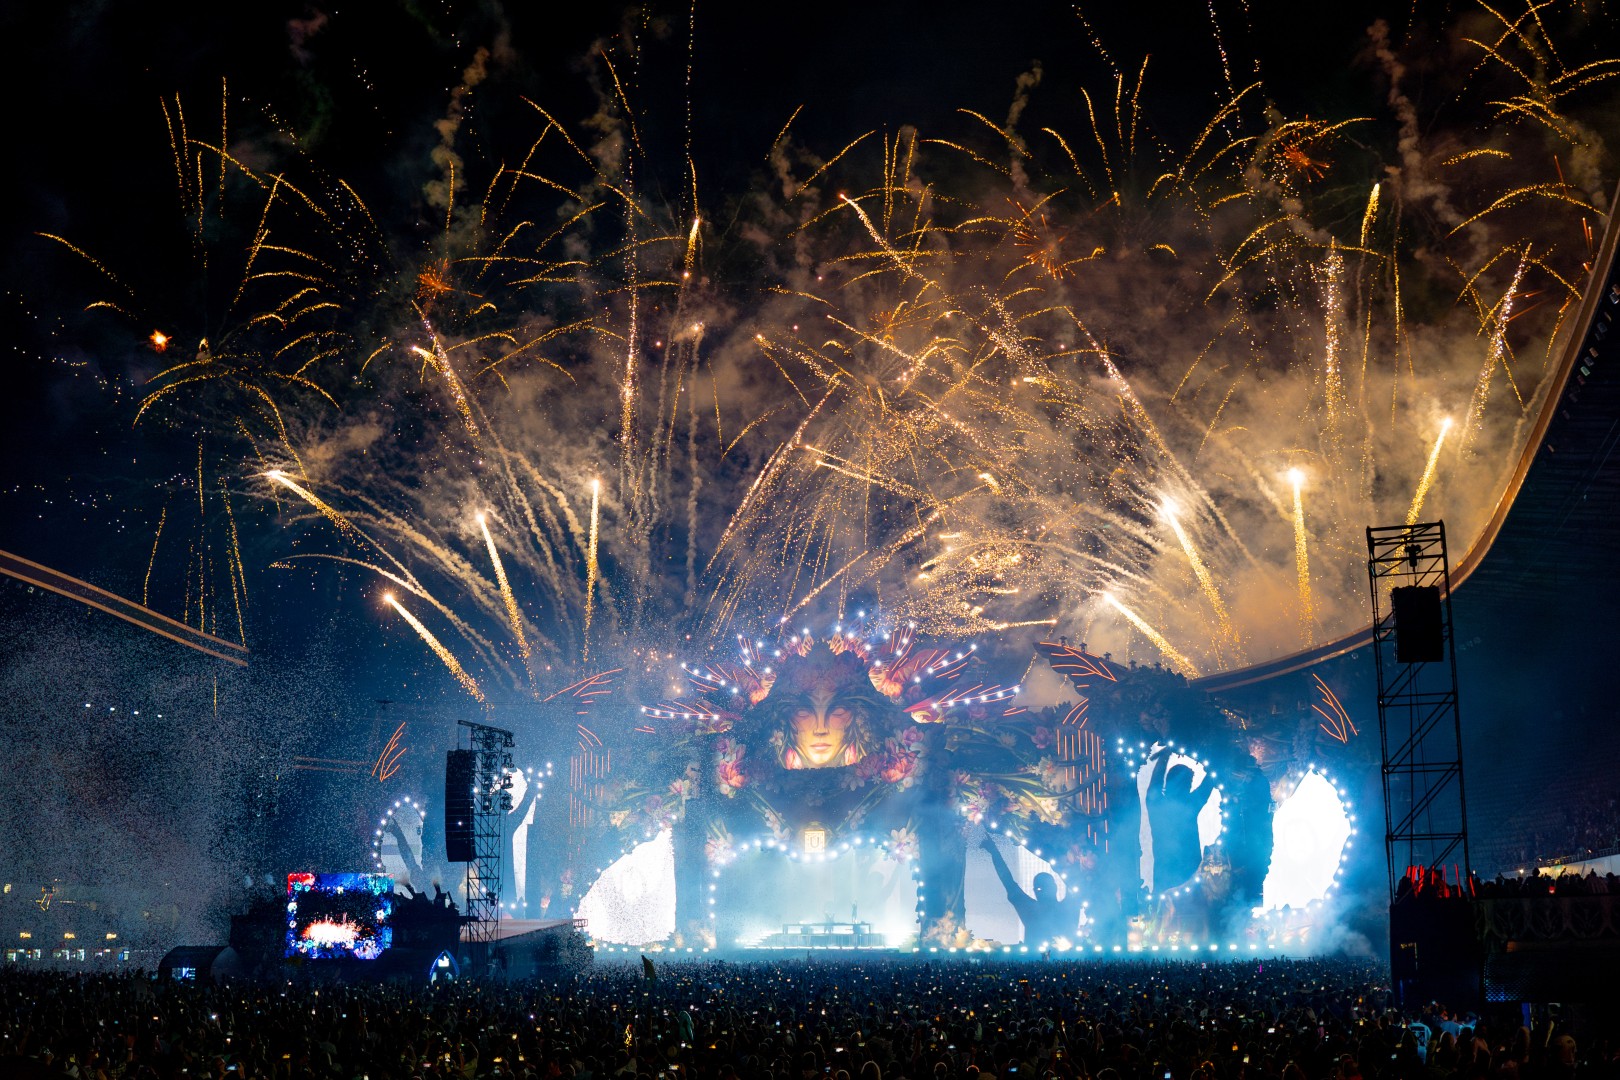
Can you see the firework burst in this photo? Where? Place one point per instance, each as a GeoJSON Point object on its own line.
{"type": "Point", "coordinates": [964, 376]}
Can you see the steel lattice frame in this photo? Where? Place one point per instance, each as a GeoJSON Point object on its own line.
{"type": "Point", "coordinates": [1425, 812]}
{"type": "Point", "coordinates": [492, 801]}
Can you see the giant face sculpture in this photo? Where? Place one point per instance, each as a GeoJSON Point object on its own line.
{"type": "Point", "coordinates": [820, 729]}
{"type": "Point", "coordinates": [822, 709]}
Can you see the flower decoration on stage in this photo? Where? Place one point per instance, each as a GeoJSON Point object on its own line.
{"type": "Point", "coordinates": [728, 765]}
{"type": "Point", "coordinates": [720, 848]}
{"type": "Point", "coordinates": [902, 845]}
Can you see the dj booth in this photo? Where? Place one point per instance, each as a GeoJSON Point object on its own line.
{"type": "Point", "coordinates": [824, 935]}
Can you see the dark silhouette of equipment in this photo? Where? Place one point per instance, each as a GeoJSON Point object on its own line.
{"type": "Point", "coordinates": [1419, 638]}
{"type": "Point", "coordinates": [489, 793]}
{"type": "Point", "coordinates": [458, 805]}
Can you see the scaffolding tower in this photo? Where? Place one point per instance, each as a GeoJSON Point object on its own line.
{"type": "Point", "coordinates": [1425, 814]}
{"type": "Point", "coordinates": [491, 802]}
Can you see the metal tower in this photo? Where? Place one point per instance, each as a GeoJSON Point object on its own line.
{"type": "Point", "coordinates": [492, 801]}
{"type": "Point", "coordinates": [1425, 815]}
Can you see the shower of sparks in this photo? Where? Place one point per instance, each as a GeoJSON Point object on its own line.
{"type": "Point", "coordinates": [1302, 561]}
{"type": "Point", "coordinates": [437, 357]}
{"type": "Point", "coordinates": [1332, 274]}
{"type": "Point", "coordinates": [1206, 581]}
{"type": "Point", "coordinates": [514, 617]}
{"type": "Point", "coordinates": [468, 683]}
{"type": "Point", "coordinates": [1369, 217]}
{"type": "Point", "coordinates": [1177, 660]}
{"type": "Point", "coordinates": [1428, 474]}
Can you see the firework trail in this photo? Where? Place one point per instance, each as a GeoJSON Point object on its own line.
{"type": "Point", "coordinates": [1302, 560]}
{"type": "Point", "coordinates": [344, 525]}
{"type": "Point", "coordinates": [1177, 660]}
{"type": "Point", "coordinates": [1496, 355]}
{"type": "Point", "coordinates": [1205, 580]}
{"type": "Point", "coordinates": [441, 363]}
{"type": "Point", "coordinates": [468, 683]}
{"type": "Point", "coordinates": [591, 568]}
{"type": "Point", "coordinates": [1422, 491]}
{"type": "Point", "coordinates": [512, 614]}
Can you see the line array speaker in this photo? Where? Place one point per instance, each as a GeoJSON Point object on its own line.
{"type": "Point", "coordinates": [458, 805]}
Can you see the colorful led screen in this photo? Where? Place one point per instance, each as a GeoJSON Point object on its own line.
{"type": "Point", "coordinates": [330, 916]}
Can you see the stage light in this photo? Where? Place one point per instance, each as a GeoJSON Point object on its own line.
{"type": "Point", "coordinates": [1311, 832]}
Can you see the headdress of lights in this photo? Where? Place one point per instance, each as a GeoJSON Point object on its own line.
{"type": "Point", "coordinates": [722, 691]}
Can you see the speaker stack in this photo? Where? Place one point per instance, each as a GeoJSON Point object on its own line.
{"type": "Point", "coordinates": [458, 805]}
{"type": "Point", "coordinates": [1418, 639]}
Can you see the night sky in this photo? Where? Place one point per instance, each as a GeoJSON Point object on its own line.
{"type": "Point", "coordinates": [353, 91]}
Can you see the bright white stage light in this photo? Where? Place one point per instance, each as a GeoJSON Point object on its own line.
{"type": "Point", "coordinates": [633, 902]}
{"type": "Point", "coordinates": [1309, 831]}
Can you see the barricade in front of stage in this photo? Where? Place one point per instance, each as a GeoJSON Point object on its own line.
{"type": "Point", "coordinates": [1549, 948]}
{"type": "Point", "coordinates": [1462, 952]}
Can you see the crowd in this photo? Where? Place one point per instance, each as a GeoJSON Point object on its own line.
{"type": "Point", "coordinates": [1583, 823]}
{"type": "Point", "coordinates": [859, 1020]}
{"type": "Point", "coordinates": [1535, 883]}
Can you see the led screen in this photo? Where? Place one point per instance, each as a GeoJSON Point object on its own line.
{"type": "Point", "coordinates": [331, 916]}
